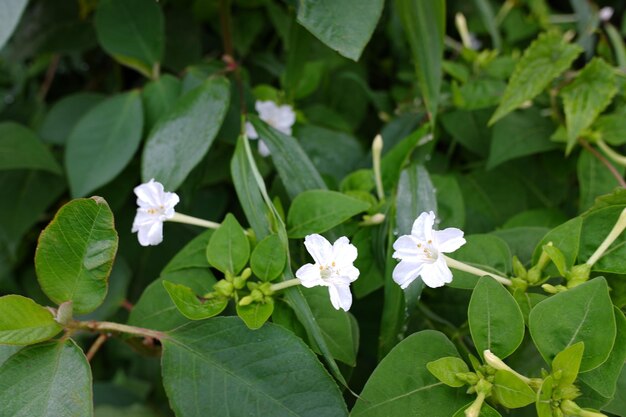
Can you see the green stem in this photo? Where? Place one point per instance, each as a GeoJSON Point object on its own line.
{"type": "Point", "coordinates": [285, 284]}
{"type": "Point", "coordinates": [616, 157]}
{"type": "Point", "coordinates": [617, 230]}
{"type": "Point", "coordinates": [183, 218]}
{"type": "Point", "coordinates": [453, 263]}
{"type": "Point", "coordinates": [107, 326]}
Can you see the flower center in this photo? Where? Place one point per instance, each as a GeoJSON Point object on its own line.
{"type": "Point", "coordinates": [156, 210]}
{"type": "Point", "coordinates": [428, 251]}
{"type": "Point", "coordinates": [328, 271]}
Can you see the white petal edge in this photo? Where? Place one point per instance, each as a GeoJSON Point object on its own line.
{"type": "Point", "coordinates": [406, 272]}
{"type": "Point", "coordinates": [309, 276]}
{"type": "Point", "coordinates": [344, 252]}
{"type": "Point", "coordinates": [436, 274]}
{"type": "Point", "coordinates": [449, 240]}
{"type": "Point", "coordinates": [423, 226]}
{"type": "Point", "coordinates": [320, 249]}
{"type": "Point", "coordinates": [340, 296]}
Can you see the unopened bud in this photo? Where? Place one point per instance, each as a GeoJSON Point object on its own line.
{"type": "Point", "coordinates": [224, 287]}
{"type": "Point", "coordinates": [518, 268]}
{"type": "Point", "coordinates": [579, 274]}
{"type": "Point", "coordinates": [247, 300]}
{"type": "Point", "coordinates": [468, 377]}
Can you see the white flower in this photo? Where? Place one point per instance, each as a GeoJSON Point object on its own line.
{"type": "Point", "coordinates": [333, 268]}
{"type": "Point", "coordinates": [155, 206]}
{"type": "Point", "coordinates": [421, 253]}
{"type": "Point", "coordinates": [606, 13]}
{"type": "Point", "coordinates": [280, 118]}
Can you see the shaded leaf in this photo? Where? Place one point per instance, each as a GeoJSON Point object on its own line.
{"type": "Point", "coordinates": [21, 149]}
{"type": "Point", "coordinates": [24, 322]}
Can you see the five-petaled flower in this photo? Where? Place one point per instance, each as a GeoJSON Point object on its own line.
{"type": "Point", "coordinates": [155, 206]}
{"type": "Point", "coordinates": [421, 253]}
{"type": "Point", "coordinates": [333, 268]}
{"type": "Point", "coordinates": [280, 118]}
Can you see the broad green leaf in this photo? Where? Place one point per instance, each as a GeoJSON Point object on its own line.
{"type": "Point", "coordinates": [49, 379]}
{"type": "Point", "coordinates": [618, 405]}
{"type": "Point", "coordinates": [612, 127]}
{"type": "Point", "coordinates": [188, 303]}
{"type": "Point", "coordinates": [414, 391]}
{"type": "Point", "coordinates": [594, 179]}
{"type": "Point", "coordinates": [469, 128]}
{"type": "Point", "coordinates": [416, 194]}
{"type": "Point", "coordinates": [20, 148]}
{"type": "Point", "coordinates": [371, 276]}
{"type": "Point", "coordinates": [544, 60]}
{"type": "Point", "coordinates": [495, 320]}
{"type": "Point", "coordinates": [200, 375]}
{"type": "Point", "coordinates": [256, 314]}
{"type": "Point", "coordinates": [24, 322]}
{"type": "Point", "coordinates": [487, 252]}
{"type": "Point", "coordinates": [317, 211]}
{"type": "Point", "coordinates": [557, 258]}
{"type": "Point", "coordinates": [544, 398]}
{"type": "Point", "coordinates": [159, 97]}
{"type": "Point", "coordinates": [450, 204]}
{"type": "Point", "coordinates": [579, 311]}
{"type": "Point", "coordinates": [424, 24]}
{"type": "Point", "coordinates": [268, 258]}
{"type": "Point", "coordinates": [345, 26]}
{"type": "Point", "coordinates": [586, 97]}
{"type": "Point", "coordinates": [182, 137]}
{"type": "Point", "coordinates": [596, 226]}
{"type": "Point", "coordinates": [395, 159]}
{"type": "Point", "coordinates": [293, 165]}
{"type": "Point", "coordinates": [485, 411]}
{"type": "Point", "coordinates": [340, 331]}
{"type": "Point", "coordinates": [10, 14]}
{"type": "Point", "coordinates": [75, 254]}
{"type": "Point", "coordinates": [117, 294]}
{"type": "Point", "coordinates": [522, 240]}
{"type": "Point", "coordinates": [103, 142]}
{"type": "Point", "coordinates": [248, 193]}
{"type": "Point", "coordinates": [527, 301]}
{"type": "Point", "coordinates": [64, 114]}
{"type": "Point", "coordinates": [229, 248]}
{"type": "Point", "coordinates": [510, 391]}
{"type": "Point", "coordinates": [567, 363]}
{"type": "Point", "coordinates": [31, 193]}
{"type": "Point", "coordinates": [6, 351]}
{"type": "Point", "coordinates": [521, 133]}
{"type": "Point", "coordinates": [604, 378]}
{"type": "Point", "coordinates": [445, 369]}
{"type": "Point", "coordinates": [132, 32]}
{"type": "Point", "coordinates": [489, 20]}
{"type": "Point", "coordinates": [566, 238]}
{"type": "Point", "coordinates": [135, 410]}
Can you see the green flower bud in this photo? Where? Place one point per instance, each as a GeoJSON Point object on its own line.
{"type": "Point", "coordinates": [224, 287]}
{"type": "Point", "coordinates": [468, 377]}
{"type": "Point", "coordinates": [247, 300]}
{"type": "Point", "coordinates": [534, 274]}
{"type": "Point", "coordinates": [518, 268]}
{"type": "Point", "coordinates": [578, 275]}
{"type": "Point", "coordinates": [483, 386]}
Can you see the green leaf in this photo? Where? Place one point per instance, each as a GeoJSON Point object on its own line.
{"type": "Point", "coordinates": [10, 14]}
{"type": "Point", "coordinates": [183, 136]}
{"type": "Point", "coordinates": [64, 114]}
{"type": "Point", "coordinates": [229, 248]}
{"type": "Point", "coordinates": [6, 351]}
{"type": "Point", "coordinates": [424, 24]}
{"type": "Point", "coordinates": [450, 204]}
{"type": "Point", "coordinates": [527, 301]}
{"type": "Point", "coordinates": [469, 128]}
{"type": "Point", "coordinates": [21, 149]}
{"type": "Point", "coordinates": [489, 20]}
{"type": "Point", "coordinates": [268, 258]}
{"type": "Point", "coordinates": [24, 322]}
{"type": "Point", "coordinates": [566, 238]}
{"type": "Point", "coordinates": [544, 60]}
{"type": "Point", "coordinates": [445, 369]}
{"type": "Point", "coordinates": [495, 320]}
{"type": "Point", "coordinates": [544, 398]}
{"type": "Point", "coordinates": [316, 211]}
{"type": "Point", "coordinates": [596, 226]}
{"type": "Point", "coordinates": [557, 258]}
{"type": "Point", "coordinates": [50, 379]}
{"type": "Point", "coordinates": [155, 309]}
{"type": "Point", "coordinates": [293, 165]}
{"type": "Point", "coordinates": [188, 303]}
{"type": "Point", "coordinates": [585, 314]}
{"type": "Point", "coordinates": [586, 97]}
{"type": "Point", "coordinates": [414, 391]}
{"type": "Point", "coordinates": [256, 314]}
{"type": "Point", "coordinates": [75, 254]}
{"type": "Point", "coordinates": [594, 179]}
{"type": "Point", "coordinates": [132, 32]}
{"type": "Point", "coordinates": [285, 380]}
{"type": "Point", "coordinates": [103, 142]}
{"type": "Point", "coordinates": [604, 378]}
{"type": "Point", "coordinates": [567, 363]}
{"type": "Point", "coordinates": [248, 193]}
{"type": "Point", "coordinates": [510, 391]}
{"type": "Point", "coordinates": [345, 26]}
{"type": "Point", "coordinates": [416, 194]}
{"type": "Point", "coordinates": [618, 405]}
{"type": "Point", "coordinates": [521, 133]}
{"type": "Point", "coordinates": [340, 330]}
{"type": "Point", "coordinates": [395, 159]}
{"type": "Point", "coordinates": [487, 252]}
{"type": "Point", "coordinates": [159, 97]}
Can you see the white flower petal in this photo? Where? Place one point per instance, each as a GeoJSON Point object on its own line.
{"type": "Point", "coordinates": [309, 276]}
{"type": "Point", "coordinates": [405, 248]}
{"type": "Point", "coordinates": [340, 296]}
{"type": "Point", "coordinates": [350, 273]}
{"type": "Point", "coordinates": [264, 151]}
{"type": "Point", "coordinates": [149, 193]}
{"type": "Point", "coordinates": [251, 132]}
{"type": "Point", "coordinates": [151, 234]}
{"type": "Point", "coordinates": [344, 252]}
{"type": "Point", "coordinates": [265, 108]}
{"type": "Point", "coordinates": [320, 249]}
{"type": "Point", "coordinates": [436, 274]}
{"type": "Point", "coordinates": [423, 226]}
{"type": "Point", "coordinates": [449, 240]}
{"type": "Point", "coordinates": [405, 272]}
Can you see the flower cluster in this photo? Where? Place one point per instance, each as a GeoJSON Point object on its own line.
{"type": "Point", "coordinates": [280, 118]}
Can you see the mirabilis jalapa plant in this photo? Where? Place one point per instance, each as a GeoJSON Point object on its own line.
{"type": "Point", "coordinates": [313, 285]}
